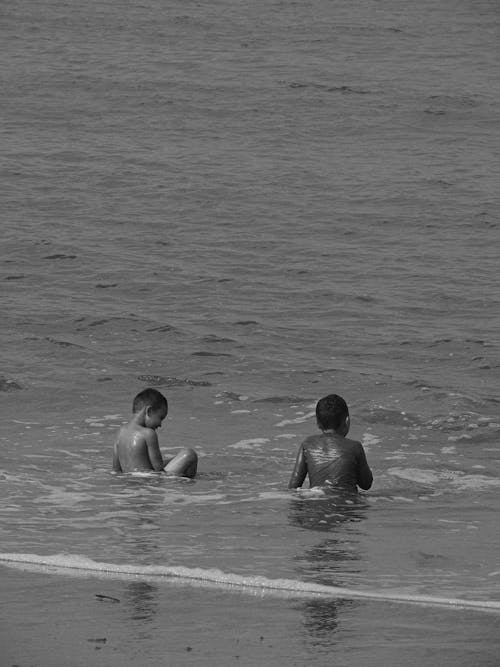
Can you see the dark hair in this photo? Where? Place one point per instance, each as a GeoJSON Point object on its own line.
{"type": "Point", "coordinates": [149, 398]}
{"type": "Point", "coordinates": [331, 412]}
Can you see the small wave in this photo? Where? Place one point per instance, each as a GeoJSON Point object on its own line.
{"type": "Point", "coordinates": [211, 354]}
{"type": "Point", "coordinates": [474, 482]}
{"type": "Point", "coordinates": [64, 498]}
{"type": "Point", "coordinates": [89, 420]}
{"type": "Point", "coordinates": [212, 338]}
{"type": "Point", "coordinates": [274, 495]}
{"type": "Point", "coordinates": [249, 444]}
{"type": "Point", "coordinates": [84, 324]}
{"type": "Point", "coordinates": [381, 415]}
{"type": "Point", "coordinates": [9, 385]}
{"type": "Point", "coordinates": [82, 566]}
{"type": "Point", "coordinates": [418, 476]}
{"type": "Point", "coordinates": [163, 328]}
{"type": "Point", "coordinates": [454, 479]}
{"type": "Point", "coordinates": [142, 473]}
{"type": "Point", "coordinates": [282, 400]}
{"type": "Point", "coordinates": [369, 439]}
{"type": "Point", "coordinates": [314, 492]}
{"type": "Point", "coordinates": [297, 420]}
{"type": "Point", "coordinates": [466, 426]}
{"type": "Point", "coordinates": [59, 256]}
{"type": "Point", "coordinates": [330, 89]}
{"type": "Point", "coordinates": [162, 381]}
{"type": "Point", "coordinates": [232, 396]}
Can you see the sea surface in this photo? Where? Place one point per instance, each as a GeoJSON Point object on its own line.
{"type": "Point", "coordinates": [249, 205]}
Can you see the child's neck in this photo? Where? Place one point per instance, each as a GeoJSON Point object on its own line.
{"type": "Point", "coordinates": [138, 418]}
{"type": "Point", "coordinates": [333, 431]}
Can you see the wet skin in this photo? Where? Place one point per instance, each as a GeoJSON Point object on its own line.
{"type": "Point", "coordinates": [331, 459]}
{"type": "Point", "coordinates": [137, 449]}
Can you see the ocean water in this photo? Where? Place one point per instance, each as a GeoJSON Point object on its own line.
{"type": "Point", "coordinates": [249, 206]}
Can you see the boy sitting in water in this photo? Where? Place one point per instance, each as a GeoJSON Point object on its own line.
{"type": "Point", "coordinates": [330, 459]}
{"type": "Point", "coordinates": [136, 448]}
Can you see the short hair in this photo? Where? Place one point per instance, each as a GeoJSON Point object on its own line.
{"type": "Point", "coordinates": [149, 398]}
{"type": "Point", "coordinates": [331, 411]}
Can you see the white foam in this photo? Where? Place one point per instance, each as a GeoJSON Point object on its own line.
{"type": "Point", "coordinates": [274, 495]}
{"type": "Point", "coordinates": [144, 473]}
{"type": "Point", "coordinates": [297, 420]}
{"type": "Point", "coordinates": [249, 444]}
{"type": "Point", "coordinates": [415, 475]}
{"type": "Point", "coordinates": [81, 566]}
{"type": "Point", "coordinates": [64, 498]}
{"type": "Point", "coordinates": [369, 439]}
{"type": "Point", "coordinates": [26, 423]}
{"type": "Point", "coordinates": [314, 492]}
{"type": "Point", "coordinates": [199, 498]}
{"type": "Point", "coordinates": [456, 479]}
{"type": "Point", "coordinates": [465, 482]}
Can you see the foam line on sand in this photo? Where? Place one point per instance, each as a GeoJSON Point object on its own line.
{"type": "Point", "coordinates": [80, 566]}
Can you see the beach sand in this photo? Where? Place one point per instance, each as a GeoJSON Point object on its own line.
{"type": "Point", "coordinates": [61, 621]}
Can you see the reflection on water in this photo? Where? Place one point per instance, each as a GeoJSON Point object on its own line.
{"type": "Point", "coordinates": [333, 560]}
{"type": "Point", "coordinates": [337, 519]}
{"type": "Point", "coordinates": [321, 618]}
{"type": "Point", "coordinates": [140, 510]}
{"type": "Point", "coordinates": [327, 512]}
{"type": "Point", "coordinates": [143, 599]}
{"type": "Point", "coordinates": [137, 510]}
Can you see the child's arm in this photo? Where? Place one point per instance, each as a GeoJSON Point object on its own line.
{"type": "Point", "coordinates": [116, 461]}
{"type": "Point", "coordinates": [154, 453]}
{"type": "Point", "coordinates": [364, 476]}
{"type": "Point", "coordinates": [300, 470]}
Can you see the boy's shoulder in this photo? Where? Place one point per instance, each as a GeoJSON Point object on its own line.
{"type": "Point", "coordinates": [312, 439]}
{"type": "Point", "coordinates": [132, 430]}
{"type": "Point", "coordinates": [318, 440]}
{"type": "Point", "coordinates": [334, 440]}
{"type": "Point", "coordinates": [352, 445]}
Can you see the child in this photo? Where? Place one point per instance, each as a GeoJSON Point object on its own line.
{"type": "Point", "coordinates": [136, 447]}
{"type": "Point", "coordinates": [330, 459]}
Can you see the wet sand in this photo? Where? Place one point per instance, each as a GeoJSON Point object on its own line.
{"type": "Point", "coordinates": [58, 621]}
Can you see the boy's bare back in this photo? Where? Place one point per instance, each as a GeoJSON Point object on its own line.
{"type": "Point", "coordinates": [330, 459]}
{"type": "Point", "coordinates": [136, 448]}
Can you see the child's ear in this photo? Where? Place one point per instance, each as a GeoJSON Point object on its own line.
{"type": "Point", "coordinates": [148, 410]}
{"type": "Point", "coordinates": [143, 411]}
{"type": "Point", "coordinates": [347, 424]}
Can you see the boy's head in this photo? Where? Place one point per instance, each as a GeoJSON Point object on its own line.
{"type": "Point", "coordinates": [332, 413]}
{"type": "Point", "coordinates": [154, 404]}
